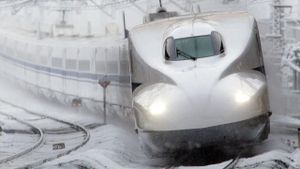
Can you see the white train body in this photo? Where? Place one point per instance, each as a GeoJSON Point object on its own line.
{"type": "Point", "coordinates": [216, 95]}
{"type": "Point", "coordinates": [68, 69]}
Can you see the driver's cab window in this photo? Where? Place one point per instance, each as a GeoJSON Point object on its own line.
{"type": "Point", "coordinates": [193, 47]}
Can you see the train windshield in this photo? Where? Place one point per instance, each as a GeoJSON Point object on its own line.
{"type": "Point", "coordinates": [194, 47]}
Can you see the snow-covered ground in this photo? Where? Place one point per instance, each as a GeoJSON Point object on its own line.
{"type": "Point", "coordinates": [116, 145]}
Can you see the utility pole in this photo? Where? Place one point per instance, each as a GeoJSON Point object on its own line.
{"type": "Point", "coordinates": [160, 4]}
{"type": "Point", "coordinates": [278, 26]}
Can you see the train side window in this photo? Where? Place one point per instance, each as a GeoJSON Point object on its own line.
{"type": "Point", "coordinates": [124, 67]}
{"type": "Point", "coordinates": [71, 64]}
{"type": "Point", "coordinates": [30, 53]}
{"type": "Point", "coordinates": [84, 65]}
{"type": "Point", "coordinates": [44, 55]}
{"type": "Point", "coordinates": [57, 62]}
{"type": "Point", "coordinates": [18, 46]}
{"type": "Point", "coordinates": [100, 66]}
{"type": "Point", "coordinates": [43, 60]}
{"type": "Point", "coordinates": [112, 67]}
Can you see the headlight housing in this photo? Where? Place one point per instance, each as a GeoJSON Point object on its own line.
{"type": "Point", "coordinates": [157, 108]}
{"type": "Point", "coordinates": [160, 107]}
{"type": "Point", "coordinates": [242, 97]}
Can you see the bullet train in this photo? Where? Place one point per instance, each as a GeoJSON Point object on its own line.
{"type": "Point", "coordinates": [189, 81]}
{"type": "Point", "coordinates": [199, 81]}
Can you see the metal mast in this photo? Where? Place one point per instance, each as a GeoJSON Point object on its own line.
{"type": "Point", "coordinates": [278, 26]}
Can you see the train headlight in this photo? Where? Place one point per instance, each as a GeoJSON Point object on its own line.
{"type": "Point", "coordinates": [157, 108]}
{"type": "Point", "coordinates": [242, 97]}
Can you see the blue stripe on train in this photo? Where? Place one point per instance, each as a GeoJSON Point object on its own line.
{"type": "Point", "coordinates": [89, 76]}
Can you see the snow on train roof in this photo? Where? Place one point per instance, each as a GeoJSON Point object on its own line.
{"type": "Point", "coordinates": [235, 28]}
{"type": "Point", "coordinates": [29, 37]}
{"type": "Point", "coordinates": [210, 17]}
{"type": "Point", "coordinates": [226, 23]}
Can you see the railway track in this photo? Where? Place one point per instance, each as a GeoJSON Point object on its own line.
{"type": "Point", "coordinates": [206, 156]}
{"type": "Point", "coordinates": [57, 138]}
{"type": "Point", "coordinates": [26, 148]}
{"type": "Point", "coordinates": [233, 163]}
{"type": "Point", "coordinates": [75, 164]}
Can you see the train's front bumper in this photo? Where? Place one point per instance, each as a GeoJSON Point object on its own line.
{"type": "Point", "coordinates": [167, 107]}
{"type": "Point", "coordinates": [234, 134]}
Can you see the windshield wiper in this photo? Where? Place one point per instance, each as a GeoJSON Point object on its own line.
{"type": "Point", "coordinates": [182, 53]}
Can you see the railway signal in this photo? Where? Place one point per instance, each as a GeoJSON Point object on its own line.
{"type": "Point", "coordinates": [104, 84]}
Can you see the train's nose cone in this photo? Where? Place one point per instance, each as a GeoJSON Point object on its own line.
{"type": "Point", "coordinates": [237, 97]}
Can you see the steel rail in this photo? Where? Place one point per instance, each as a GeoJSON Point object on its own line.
{"type": "Point", "coordinates": [233, 163]}
{"type": "Point", "coordinates": [27, 150]}
{"type": "Point", "coordinates": [72, 125]}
